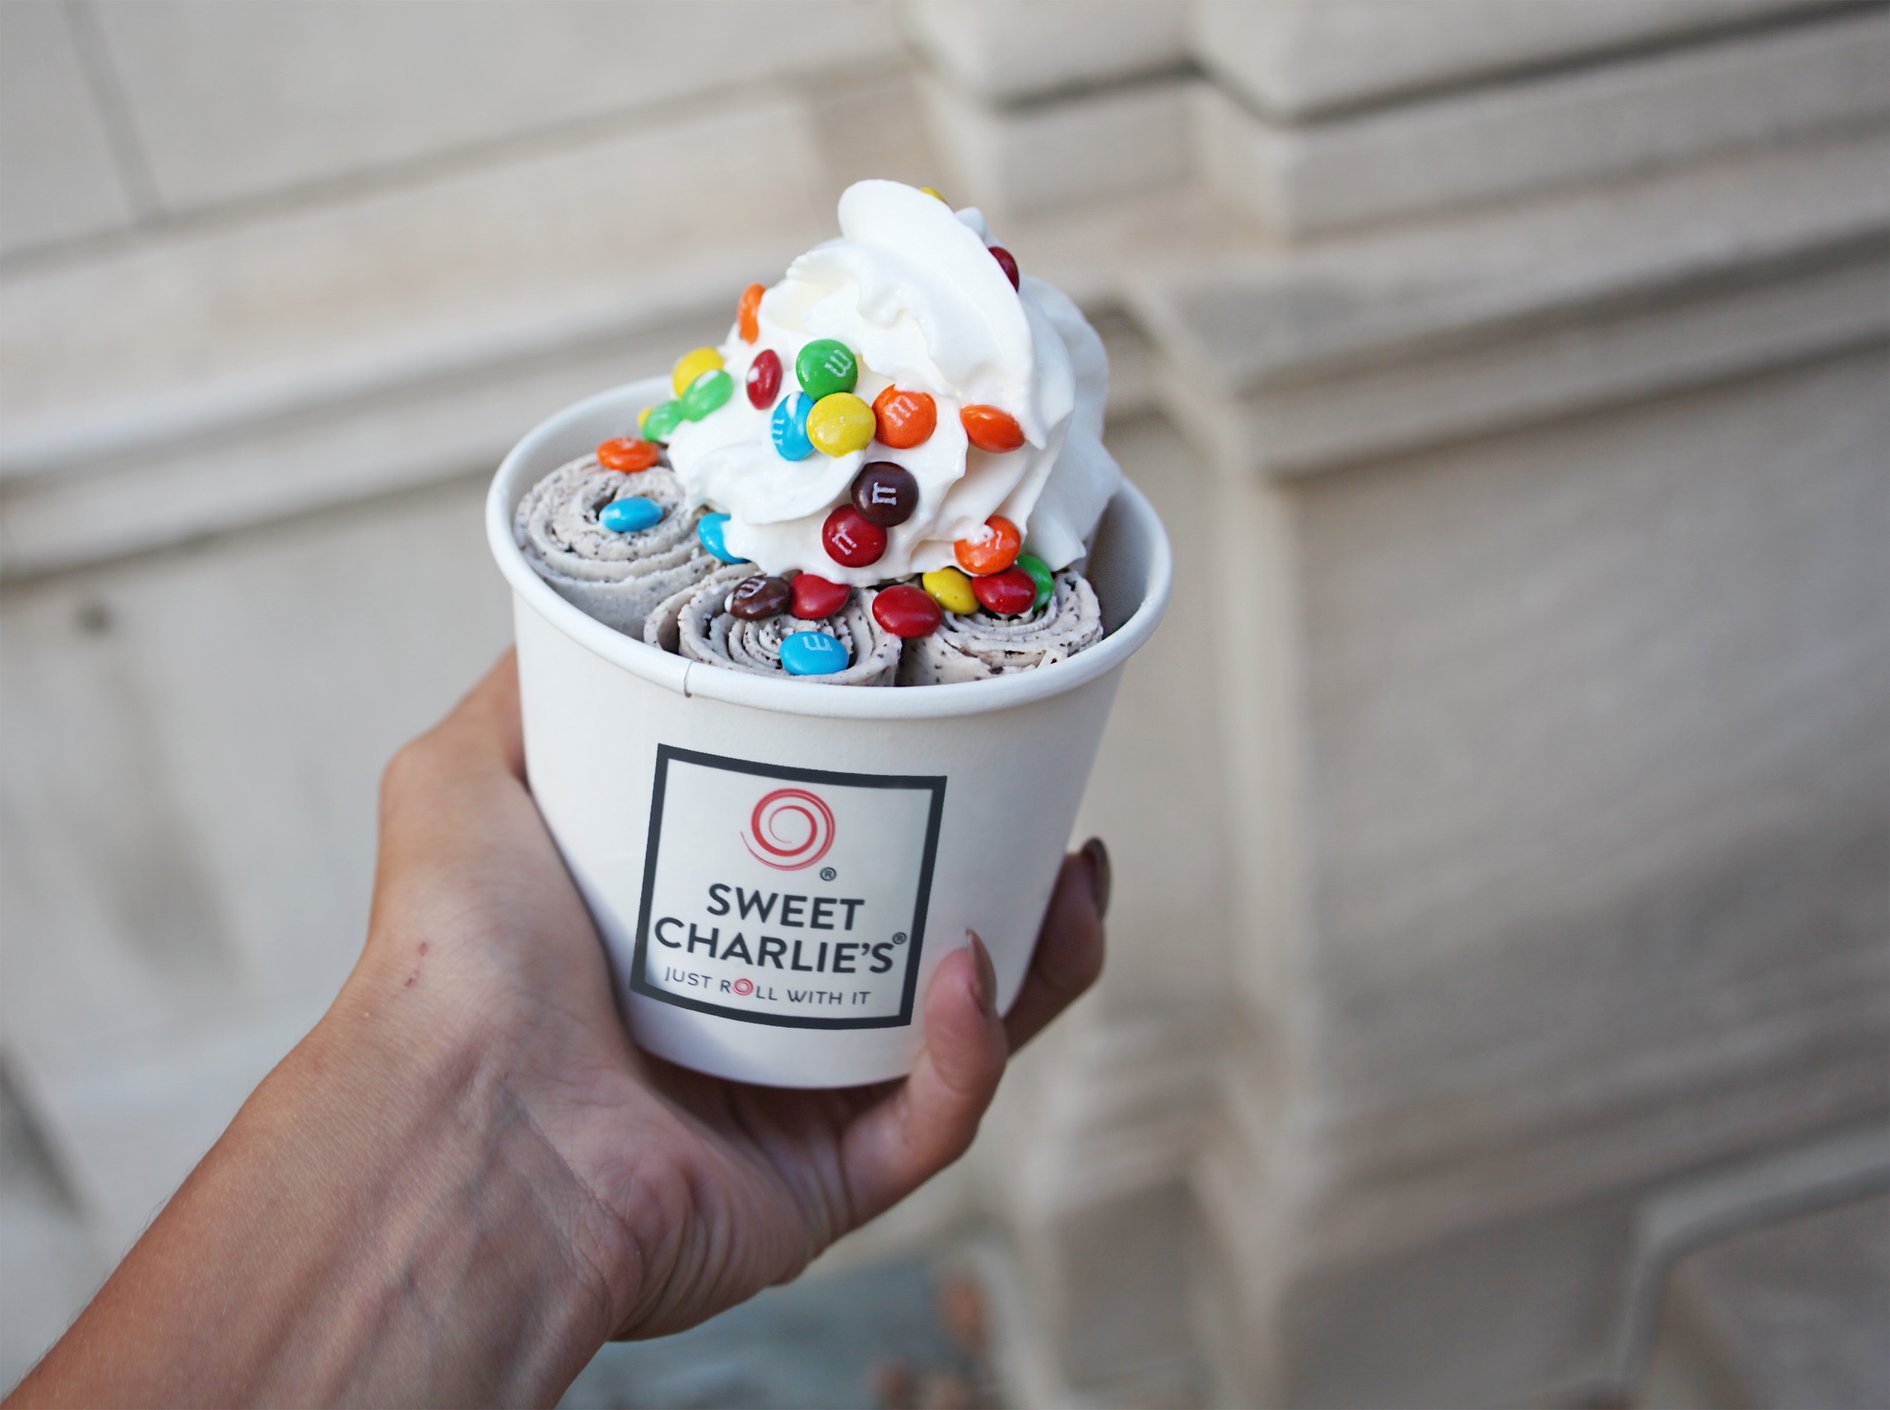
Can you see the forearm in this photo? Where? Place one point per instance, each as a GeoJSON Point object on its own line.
{"type": "Point", "coordinates": [381, 1224]}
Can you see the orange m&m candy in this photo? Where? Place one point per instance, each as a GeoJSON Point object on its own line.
{"type": "Point", "coordinates": [622, 453]}
{"type": "Point", "coordinates": [906, 419]}
{"type": "Point", "coordinates": [987, 428]}
{"type": "Point", "coordinates": [745, 313]}
{"type": "Point", "coordinates": [993, 553]}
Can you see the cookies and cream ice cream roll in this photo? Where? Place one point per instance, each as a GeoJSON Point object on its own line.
{"type": "Point", "coordinates": [612, 543]}
{"type": "Point", "coordinates": [976, 645]}
{"type": "Point", "coordinates": [746, 621]}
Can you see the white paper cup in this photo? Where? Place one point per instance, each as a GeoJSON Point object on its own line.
{"type": "Point", "coordinates": [777, 866]}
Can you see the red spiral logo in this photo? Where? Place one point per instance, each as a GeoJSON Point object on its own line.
{"type": "Point", "coordinates": [789, 829]}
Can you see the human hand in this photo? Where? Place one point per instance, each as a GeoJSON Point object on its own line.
{"type": "Point", "coordinates": [684, 1194]}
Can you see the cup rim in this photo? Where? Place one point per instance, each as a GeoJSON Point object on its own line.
{"type": "Point", "coordinates": [799, 697]}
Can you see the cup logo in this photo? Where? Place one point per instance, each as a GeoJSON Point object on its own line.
{"type": "Point", "coordinates": [785, 896]}
{"type": "Point", "coordinates": [790, 828]}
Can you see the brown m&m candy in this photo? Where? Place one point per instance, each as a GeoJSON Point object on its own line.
{"type": "Point", "coordinates": [885, 493]}
{"type": "Point", "coordinates": [755, 598]}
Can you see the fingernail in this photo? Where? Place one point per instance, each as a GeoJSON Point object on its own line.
{"type": "Point", "coordinates": [1100, 877]}
{"type": "Point", "coordinates": [984, 975]}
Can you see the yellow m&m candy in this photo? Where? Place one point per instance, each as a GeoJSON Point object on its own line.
{"type": "Point", "coordinates": [950, 589]}
{"type": "Point", "coordinates": [840, 424]}
{"type": "Point", "coordinates": [692, 365]}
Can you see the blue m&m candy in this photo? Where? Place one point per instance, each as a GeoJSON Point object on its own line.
{"type": "Point", "coordinates": [710, 531]}
{"type": "Point", "coordinates": [813, 654]}
{"type": "Point", "coordinates": [790, 427]}
{"type": "Point", "coordinates": [626, 516]}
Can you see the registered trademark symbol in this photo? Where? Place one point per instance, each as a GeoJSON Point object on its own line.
{"type": "Point", "coordinates": [828, 873]}
{"type": "Point", "coordinates": [899, 937]}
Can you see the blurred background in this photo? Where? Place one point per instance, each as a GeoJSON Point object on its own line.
{"type": "Point", "coordinates": [1499, 1003]}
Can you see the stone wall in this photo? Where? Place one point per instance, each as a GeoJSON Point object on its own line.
{"type": "Point", "coordinates": [1499, 818]}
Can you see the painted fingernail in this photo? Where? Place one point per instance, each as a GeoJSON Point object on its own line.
{"type": "Point", "coordinates": [1100, 877]}
{"type": "Point", "coordinates": [984, 975]}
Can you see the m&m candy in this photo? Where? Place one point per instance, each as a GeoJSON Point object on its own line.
{"type": "Point", "coordinates": [764, 378]}
{"type": "Point", "coordinates": [885, 493]}
{"type": "Point", "coordinates": [840, 424]}
{"type": "Point", "coordinates": [826, 366]}
{"type": "Point", "coordinates": [659, 423]}
{"type": "Point", "coordinates": [951, 590]}
{"type": "Point", "coordinates": [753, 599]}
{"type": "Point", "coordinates": [748, 313]}
{"type": "Point", "coordinates": [850, 540]}
{"type": "Point", "coordinates": [790, 427]}
{"type": "Point", "coordinates": [692, 365]}
{"type": "Point", "coordinates": [1008, 263]}
{"type": "Point", "coordinates": [904, 419]}
{"type": "Point", "coordinates": [987, 428]}
{"type": "Point", "coordinates": [1040, 574]}
{"type": "Point", "coordinates": [627, 455]}
{"type": "Point", "coordinates": [1008, 593]}
{"type": "Point", "coordinates": [813, 654]}
{"type": "Point", "coordinates": [994, 552]}
{"type": "Point", "coordinates": [710, 532]}
{"type": "Point", "coordinates": [626, 516]}
{"type": "Point", "coordinates": [816, 597]}
{"type": "Point", "coordinates": [707, 393]}
{"type": "Point", "coordinates": [906, 611]}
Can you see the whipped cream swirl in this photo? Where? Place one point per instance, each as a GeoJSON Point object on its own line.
{"type": "Point", "coordinates": [912, 288]}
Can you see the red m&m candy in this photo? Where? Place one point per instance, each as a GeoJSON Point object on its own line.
{"type": "Point", "coordinates": [987, 428]}
{"type": "Point", "coordinates": [1008, 263]}
{"type": "Point", "coordinates": [1008, 593]}
{"type": "Point", "coordinates": [816, 597]}
{"type": "Point", "coordinates": [764, 378]}
{"type": "Point", "coordinates": [904, 419]}
{"type": "Point", "coordinates": [851, 541]}
{"type": "Point", "coordinates": [905, 610]}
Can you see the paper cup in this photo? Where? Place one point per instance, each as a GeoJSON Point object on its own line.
{"type": "Point", "coordinates": [777, 866]}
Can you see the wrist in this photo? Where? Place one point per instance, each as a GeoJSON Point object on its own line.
{"type": "Point", "coordinates": [474, 1257]}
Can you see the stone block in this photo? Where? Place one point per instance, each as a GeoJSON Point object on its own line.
{"type": "Point", "coordinates": [1237, 316]}
{"type": "Point", "coordinates": [191, 329]}
{"type": "Point", "coordinates": [1460, 148]}
{"type": "Point", "coordinates": [1787, 1314]}
{"type": "Point", "coordinates": [1072, 151]}
{"type": "Point", "coordinates": [1304, 57]}
{"type": "Point", "coordinates": [56, 160]}
{"type": "Point", "coordinates": [1007, 51]}
{"type": "Point", "coordinates": [1591, 788]}
{"type": "Point", "coordinates": [51, 1267]}
{"type": "Point", "coordinates": [236, 101]}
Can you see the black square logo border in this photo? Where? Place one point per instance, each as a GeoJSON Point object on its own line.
{"type": "Point", "coordinates": [931, 783]}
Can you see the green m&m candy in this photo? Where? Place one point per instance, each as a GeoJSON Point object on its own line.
{"type": "Point", "coordinates": [826, 366]}
{"type": "Point", "coordinates": [661, 421]}
{"type": "Point", "coordinates": [706, 393]}
{"type": "Point", "coordinates": [1039, 574]}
